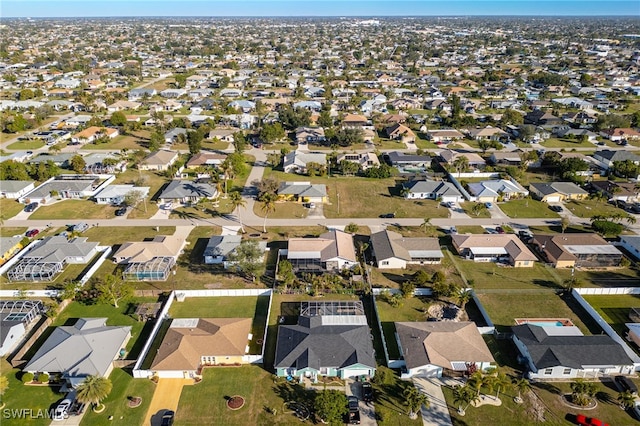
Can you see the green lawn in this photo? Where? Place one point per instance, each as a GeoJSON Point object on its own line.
{"type": "Point", "coordinates": [39, 399]}
{"type": "Point", "coordinates": [29, 144]}
{"type": "Point", "coordinates": [566, 143]}
{"type": "Point", "coordinates": [124, 386]}
{"type": "Point", "coordinates": [205, 403]}
{"type": "Point", "coordinates": [154, 180]}
{"type": "Point", "coordinates": [73, 210]}
{"type": "Point", "coordinates": [471, 229]}
{"type": "Point", "coordinates": [112, 235]}
{"type": "Point", "coordinates": [526, 208]}
{"type": "Point", "coordinates": [131, 142]}
{"type": "Point", "coordinates": [590, 208]}
{"type": "Point", "coordinates": [284, 210]}
{"type": "Point", "coordinates": [488, 275]}
{"type": "Point", "coordinates": [504, 308]}
{"type": "Point", "coordinates": [390, 404]}
{"type": "Point", "coordinates": [467, 206]}
{"type": "Point", "coordinates": [11, 231]}
{"type": "Point", "coordinates": [9, 208]}
{"type": "Point", "coordinates": [615, 309]}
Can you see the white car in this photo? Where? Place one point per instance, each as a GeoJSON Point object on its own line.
{"type": "Point", "coordinates": [62, 410]}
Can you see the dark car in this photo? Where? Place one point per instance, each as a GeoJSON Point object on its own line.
{"type": "Point", "coordinates": [32, 233]}
{"type": "Point", "coordinates": [626, 384]}
{"type": "Point", "coordinates": [367, 392]}
{"type": "Point", "coordinates": [167, 418]}
{"type": "Point", "coordinates": [557, 209]}
{"type": "Point", "coordinates": [31, 207]}
{"type": "Point", "coordinates": [499, 230]}
{"type": "Point", "coordinates": [388, 215]}
{"type": "Point", "coordinates": [121, 211]}
{"type": "Point", "coordinates": [354, 411]}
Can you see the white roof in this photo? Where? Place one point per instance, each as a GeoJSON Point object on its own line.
{"type": "Point", "coordinates": [599, 249]}
{"type": "Point", "coordinates": [488, 250]}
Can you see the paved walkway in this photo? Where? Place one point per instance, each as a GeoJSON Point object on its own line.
{"type": "Point", "coordinates": [165, 397]}
{"type": "Point", "coordinates": [367, 411]}
{"type": "Point", "coordinates": [437, 414]}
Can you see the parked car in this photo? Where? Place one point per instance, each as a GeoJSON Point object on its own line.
{"type": "Point", "coordinates": [79, 227]}
{"type": "Point", "coordinates": [77, 408]}
{"type": "Point", "coordinates": [367, 392]}
{"type": "Point", "coordinates": [499, 230]}
{"type": "Point", "coordinates": [121, 211]}
{"type": "Point", "coordinates": [556, 208]}
{"type": "Point", "coordinates": [453, 230]}
{"type": "Point", "coordinates": [388, 215]}
{"type": "Point", "coordinates": [583, 420]}
{"type": "Point", "coordinates": [626, 384]}
{"type": "Point", "coordinates": [488, 205]}
{"type": "Point", "coordinates": [32, 233]}
{"type": "Point", "coordinates": [31, 207]}
{"type": "Point", "coordinates": [167, 418]}
{"type": "Point", "coordinates": [311, 205]}
{"type": "Point", "coordinates": [354, 411]}
{"type": "Point", "coordinates": [62, 410]}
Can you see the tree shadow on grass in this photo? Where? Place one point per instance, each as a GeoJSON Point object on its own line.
{"type": "Point", "coordinates": [548, 387]}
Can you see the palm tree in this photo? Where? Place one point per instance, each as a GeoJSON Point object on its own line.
{"type": "Point", "coordinates": [93, 390]}
{"type": "Point", "coordinates": [476, 380]}
{"type": "Point", "coordinates": [627, 400]}
{"type": "Point", "coordinates": [463, 297]}
{"type": "Point", "coordinates": [501, 382]}
{"type": "Point", "coordinates": [268, 201]}
{"type": "Point", "coordinates": [464, 396]}
{"type": "Point", "coordinates": [227, 170]}
{"type": "Point", "coordinates": [564, 223]}
{"type": "Point", "coordinates": [414, 400]}
{"type": "Point", "coordinates": [460, 164]}
{"type": "Point", "coordinates": [478, 208]}
{"type": "Point", "coordinates": [523, 386]}
{"type": "Point", "coordinates": [237, 201]}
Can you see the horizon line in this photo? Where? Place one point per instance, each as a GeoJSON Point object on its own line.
{"type": "Point", "coordinates": [323, 16]}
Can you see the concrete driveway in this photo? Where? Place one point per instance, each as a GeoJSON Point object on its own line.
{"type": "Point", "coordinates": [437, 414]}
{"type": "Point", "coordinates": [166, 397]}
{"type": "Point", "coordinates": [367, 411]}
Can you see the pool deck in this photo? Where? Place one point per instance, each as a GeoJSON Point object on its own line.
{"type": "Point", "coordinates": [558, 322]}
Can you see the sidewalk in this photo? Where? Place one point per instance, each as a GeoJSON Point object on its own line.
{"type": "Point", "coordinates": [437, 414]}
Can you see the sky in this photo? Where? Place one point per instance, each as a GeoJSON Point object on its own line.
{"type": "Point", "coordinates": [221, 8]}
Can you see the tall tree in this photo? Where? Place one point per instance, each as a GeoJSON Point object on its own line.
{"type": "Point", "coordinates": [113, 290]}
{"type": "Point", "coordinates": [414, 399]}
{"type": "Point", "coordinates": [247, 258]}
{"type": "Point", "coordinates": [268, 201]}
{"type": "Point", "coordinates": [237, 202]}
{"type": "Point", "coordinates": [331, 406]}
{"type": "Point", "coordinates": [93, 390]}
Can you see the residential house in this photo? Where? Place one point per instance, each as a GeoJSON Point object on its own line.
{"type": "Point", "coordinates": [150, 260]}
{"type": "Point", "coordinates": [431, 349]}
{"type": "Point", "coordinates": [173, 135]}
{"type": "Point", "coordinates": [14, 189]}
{"type": "Point", "coordinates": [583, 250]}
{"type": "Point", "coordinates": [243, 105]}
{"type": "Point", "coordinates": [303, 192]}
{"type": "Point", "coordinates": [444, 135]}
{"type": "Point", "coordinates": [565, 353]}
{"type": "Point", "coordinates": [393, 251]}
{"type": "Point", "coordinates": [87, 348]}
{"type": "Point", "coordinates": [159, 160]}
{"type": "Point", "coordinates": [206, 158]}
{"type": "Point", "coordinates": [49, 256]}
{"type": "Point", "coordinates": [313, 135]}
{"type": "Point", "coordinates": [101, 163]}
{"type": "Point", "coordinates": [488, 133]}
{"type": "Point", "coordinates": [192, 343]}
{"type": "Point", "coordinates": [123, 105]}
{"type": "Point", "coordinates": [431, 190]}
{"type": "Point", "coordinates": [331, 338]}
{"type": "Point", "coordinates": [620, 135]}
{"type": "Point", "coordinates": [186, 192]}
{"type": "Point", "coordinates": [332, 251]}
{"type": "Point", "coordinates": [223, 135]}
{"type": "Point", "coordinates": [539, 117]}
{"type": "Point", "coordinates": [67, 186]}
{"type": "Point", "coordinates": [16, 319]}
{"type": "Point", "coordinates": [137, 94]}
{"type": "Point", "coordinates": [365, 160]}
{"type": "Point", "coordinates": [502, 248]}
{"type": "Point", "coordinates": [400, 132]}
{"type": "Point", "coordinates": [606, 157]}
{"type": "Point", "coordinates": [115, 194]}
{"type": "Point", "coordinates": [296, 161]}
{"type": "Point", "coordinates": [9, 246]}
{"type": "Point", "coordinates": [474, 160]}
{"type": "Point", "coordinates": [497, 190]}
{"type": "Point", "coordinates": [173, 93]}
{"type": "Point", "coordinates": [631, 243]}
{"type": "Point", "coordinates": [90, 134]}
{"type": "Point", "coordinates": [617, 191]}
{"type": "Point", "coordinates": [355, 120]}
{"type": "Point", "coordinates": [510, 158]}
{"type": "Point", "coordinates": [400, 159]}
{"type": "Point", "coordinates": [556, 192]}
{"type": "Point", "coordinates": [219, 247]}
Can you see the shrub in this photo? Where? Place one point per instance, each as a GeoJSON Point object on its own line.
{"type": "Point", "coordinates": [407, 288]}
{"type": "Point", "coordinates": [27, 378]}
{"type": "Point", "coordinates": [43, 378]}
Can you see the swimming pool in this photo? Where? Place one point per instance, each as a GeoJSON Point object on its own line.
{"type": "Point", "coordinates": [545, 322]}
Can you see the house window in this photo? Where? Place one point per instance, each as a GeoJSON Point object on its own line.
{"type": "Point", "coordinates": [384, 262]}
{"type": "Point", "coordinates": [548, 371]}
{"type": "Point", "coordinates": [566, 371]}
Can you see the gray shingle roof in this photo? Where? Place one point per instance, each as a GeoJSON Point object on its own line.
{"type": "Point", "coordinates": [222, 245]}
{"type": "Point", "coordinates": [178, 189]}
{"type": "Point", "coordinates": [569, 351]}
{"type": "Point", "coordinates": [57, 249]}
{"type": "Point", "coordinates": [387, 244]}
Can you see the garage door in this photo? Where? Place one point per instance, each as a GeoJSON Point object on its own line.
{"type": "Point", "coordinates": [356, 372]}
{"type": "Point", "coordinates": [555, 199]}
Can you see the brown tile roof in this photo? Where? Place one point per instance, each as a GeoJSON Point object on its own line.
{"type": "Point", "coordinates": [554, 245]}
{"type": "Point", "coordinates": [185, 344]}
{"type": "Point", "coordinates": [516, 248]}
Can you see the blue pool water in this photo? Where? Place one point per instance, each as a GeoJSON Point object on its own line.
{"type": "Point", "coordinates": [546, 323]}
